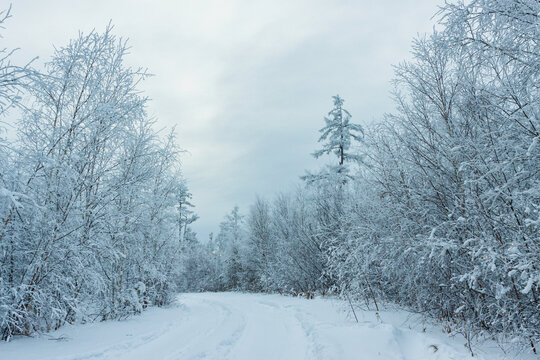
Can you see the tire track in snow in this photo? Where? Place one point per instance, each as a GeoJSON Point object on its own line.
{"type": "Point", "coordinates": [311, 352]}
{"type": "Point", "coordinates": [119, 350]}
{"type": "Point", "coordinates": [211, 344]}
{"type": "Point", "coordinates": [114, 351]}
{"type": "Point", "coordinates": [317, 349]}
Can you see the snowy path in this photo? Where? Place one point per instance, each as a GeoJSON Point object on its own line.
{"type": "Point", "coordinates": [241, 326]}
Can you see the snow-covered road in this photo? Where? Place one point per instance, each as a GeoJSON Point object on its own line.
{"type": "Point", "coordinates": [242, 326]}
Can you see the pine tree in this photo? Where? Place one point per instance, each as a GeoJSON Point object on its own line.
{"type": "Point", "coordinates": [337, 137]}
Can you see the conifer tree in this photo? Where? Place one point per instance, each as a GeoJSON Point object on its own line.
{"type": "Point", "coordinates": [336, 138]}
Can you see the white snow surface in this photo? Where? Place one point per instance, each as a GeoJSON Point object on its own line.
{"type": "Point", "coordinates": [250, 326]}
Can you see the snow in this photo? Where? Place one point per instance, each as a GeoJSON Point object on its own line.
{"type": "Point", "coordinates": [249, 326]}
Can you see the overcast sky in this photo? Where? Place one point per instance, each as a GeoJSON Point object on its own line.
{"type": "Point", "coordinates": [246, 82]}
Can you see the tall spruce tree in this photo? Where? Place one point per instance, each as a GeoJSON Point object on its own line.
{"type": "Point", "coordinates": [336, 138]}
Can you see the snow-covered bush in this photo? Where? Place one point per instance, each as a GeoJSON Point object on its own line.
{"type": "Point", "coordinates": [92, 200]}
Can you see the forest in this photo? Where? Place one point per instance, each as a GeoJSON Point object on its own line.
{"type": "Point", "coordinates": [434, 208]}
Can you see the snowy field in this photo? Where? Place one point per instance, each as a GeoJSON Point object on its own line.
{"type": "Point", "coordinates": [249, 326]}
